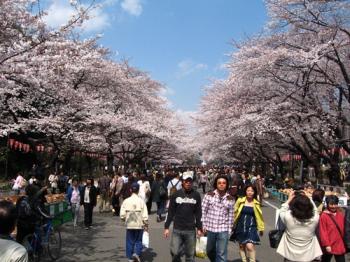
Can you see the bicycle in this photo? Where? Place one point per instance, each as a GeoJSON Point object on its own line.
{"type": "Point", "coordinates": [44, 238]}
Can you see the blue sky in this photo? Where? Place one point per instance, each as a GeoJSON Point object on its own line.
{"type": "Point", "coordinates": [181, 43]}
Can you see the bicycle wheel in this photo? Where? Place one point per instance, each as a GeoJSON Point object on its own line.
{"type": "Point", "coordinates": [30, 242]}
{"type": "Point", "coordinates": [54, 244]}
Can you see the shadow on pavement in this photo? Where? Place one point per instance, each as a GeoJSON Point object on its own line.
{"type": "Point", "coordinates": [238, 260]}
{"type": "Point", "coordinates": [78, 244]}
{"type": "Point", "coordinates": [148, 255]}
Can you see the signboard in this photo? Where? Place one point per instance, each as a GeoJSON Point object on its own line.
{"type": "Point", "coordinates": [343, 201]}
{"type": "Point", "coordinates": [52, 210]}
{"type": "Point", "coordinates": [60, 207]}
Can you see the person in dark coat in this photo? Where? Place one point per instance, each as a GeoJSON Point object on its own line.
{"type": "Point", "coordinates": [88, 198]}
{"type": "Point", "coordinates": [159, 195]}
{"type": "Point", "coordinates": [242, 183]}
{"type": "Point", "coordinates": [150, 179]}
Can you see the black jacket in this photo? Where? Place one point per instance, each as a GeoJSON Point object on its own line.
{"type": "Point", "coordinates": [185, 209]}
{"type": "Point", "coordinates": [92, 195]}
{"type": "Point", "coordinates": [241, 186]}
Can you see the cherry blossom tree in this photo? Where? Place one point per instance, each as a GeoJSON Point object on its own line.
{"type": "Point", "coordinates": [71, 95]}
{"type": "Point", "coordinates": [287, 91]}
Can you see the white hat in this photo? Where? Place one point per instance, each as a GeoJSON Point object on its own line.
{"type": "Point", "coordinates": [187, 175]}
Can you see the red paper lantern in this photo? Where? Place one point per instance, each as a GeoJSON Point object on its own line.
{"type": "Point", "coordinates": [40, 148]}
{"type": "Point", "coordinates": [11, 142]}
{"type": "Point", "coordinates": [16, 145]}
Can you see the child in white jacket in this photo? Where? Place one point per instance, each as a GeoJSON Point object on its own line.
{"type": "Point", "coordinates": [134, 212]}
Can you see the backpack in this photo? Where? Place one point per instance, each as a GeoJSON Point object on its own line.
{"type": "Point", "coordinates": [163, 194]}
{"type": "Point", "coordinates": [24, 210]}
{"type": "Point", "coordinates": [173, 188]}
{"type": "Point", "coordinates": [61, 182]}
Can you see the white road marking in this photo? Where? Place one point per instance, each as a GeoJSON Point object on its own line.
{"type": "Point", "coordinates": [271, 205]}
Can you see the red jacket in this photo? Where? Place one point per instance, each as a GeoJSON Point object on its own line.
{"type": "Point", "coordinates": [329, 234]}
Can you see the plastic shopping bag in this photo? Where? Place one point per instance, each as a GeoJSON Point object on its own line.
{"type": "Point", "coordinates": [145, 239]}
{"type": "Point", "coordinates": [201, 247]}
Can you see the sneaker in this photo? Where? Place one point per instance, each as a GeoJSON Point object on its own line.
{"type": "Point", "coordinates": [87, 228]}
{"type": "Point", "coordinates": [136, 258]}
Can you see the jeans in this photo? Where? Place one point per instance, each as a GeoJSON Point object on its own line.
{"type": "Point", "coordinates": [160, 207]}
{"type": "Point", "coordinates": [217, 246]}
{"type": "Point", "coordinates": [183, 242]}
{"type": "Point", "coordinates": [133, 242]}
{"type": "Point", "coordinates": [75, 211]}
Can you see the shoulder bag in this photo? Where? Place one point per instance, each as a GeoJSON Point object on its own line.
{"type": "Point", "coordinates": [276, 234]}
{"type": "Point", "coordinates": [275, 237]}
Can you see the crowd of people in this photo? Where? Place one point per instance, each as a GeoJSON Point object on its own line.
{"type": "Point", "coordinates": [218, 203]}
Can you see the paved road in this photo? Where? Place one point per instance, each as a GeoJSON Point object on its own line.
{"type": "Point", "coordinates": [106, 241]}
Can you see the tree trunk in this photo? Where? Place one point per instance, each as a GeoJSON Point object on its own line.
{"type": "Point", "coordinates": [110, 161]}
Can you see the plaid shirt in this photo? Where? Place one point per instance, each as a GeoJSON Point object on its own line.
{"type": "Point", "coordinates": [217, 212]}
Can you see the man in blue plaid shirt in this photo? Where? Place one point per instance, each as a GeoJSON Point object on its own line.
{"type": "Point", "coordinates": [217, 219]}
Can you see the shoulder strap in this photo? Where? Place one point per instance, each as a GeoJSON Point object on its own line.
{"type": "Point", "coordinates": [6, 237]}
{"type": "Point", "coordinates": [177, 182]}
{"type": "Point", "coordinates": [335, 223]}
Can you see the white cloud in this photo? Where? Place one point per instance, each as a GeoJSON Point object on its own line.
{"type": "Point", "coordinates": [133, 7]}
{"type": "Point", "coordinates": [167, 91]}
{"type": "Point", "coordinates": [220, 67]}
{"type": "Point", "coordinates": [59, 13]}
{"type": "Point", "coordinates": [188, 66]}
{"type": "Point", "coordinates": [98, 21]}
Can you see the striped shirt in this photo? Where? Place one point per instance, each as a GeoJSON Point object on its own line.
{"type": "Point", "coordinates": [217, 212]}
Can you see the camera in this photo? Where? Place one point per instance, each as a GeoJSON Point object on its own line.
{"type": "Point", "coordinates": [299, 192]}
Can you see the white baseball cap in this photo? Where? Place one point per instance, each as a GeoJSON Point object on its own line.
{"type": "Point", "coordinates": [187, 175]}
